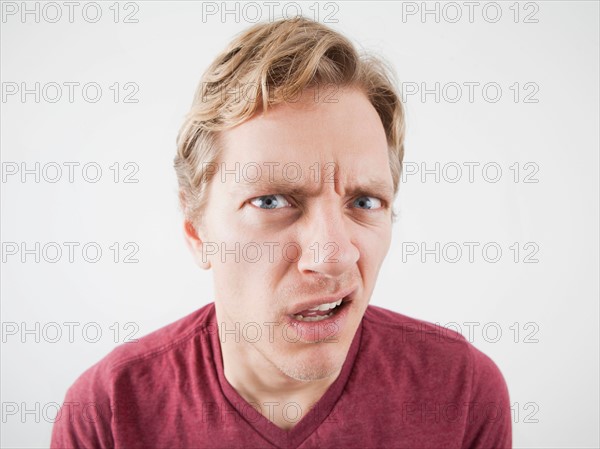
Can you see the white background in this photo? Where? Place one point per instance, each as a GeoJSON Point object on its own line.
{"type": "Point", "coordinates": [552, 380]}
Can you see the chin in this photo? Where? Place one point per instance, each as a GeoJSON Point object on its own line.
{"type": "Point", "coordinates": [315, 365]}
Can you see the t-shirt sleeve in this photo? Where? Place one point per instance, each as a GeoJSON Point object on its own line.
{"type": "Point", "coordinates": [84, 420]}
{"type": "Point", "coordinates": [489, 422]}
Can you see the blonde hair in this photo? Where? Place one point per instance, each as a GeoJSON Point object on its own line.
{"type": "Point", "coordinates": [272, 63]}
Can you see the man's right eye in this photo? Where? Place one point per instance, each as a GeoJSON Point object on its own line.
{"type": "Point", "coordinates": [270, 202]}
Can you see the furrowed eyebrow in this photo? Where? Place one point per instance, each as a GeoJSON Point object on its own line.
{"type": "Point", "coordinates": [373, 187]}
{"type": "Point", "coordinates": [276, 187]}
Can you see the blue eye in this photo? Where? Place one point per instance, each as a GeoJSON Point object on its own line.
{"type": "Point", "coordinates": [367, 202]}
{"type": "Point", "coordinates": [270, 202]}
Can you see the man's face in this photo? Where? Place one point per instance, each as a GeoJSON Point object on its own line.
{"type": "Point", "coordinates": [307, 222]}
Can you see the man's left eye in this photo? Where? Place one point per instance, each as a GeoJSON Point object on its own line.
{"type": "Point", "coordinates": [367, 202]}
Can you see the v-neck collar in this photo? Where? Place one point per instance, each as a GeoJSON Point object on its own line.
{"type": "Point", "coordinates": [310, 422]}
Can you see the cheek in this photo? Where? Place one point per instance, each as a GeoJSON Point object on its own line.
{"type": "Point", "coordinates": [248, 271]}
{"type": "Point", "coordinates": [373, 248]}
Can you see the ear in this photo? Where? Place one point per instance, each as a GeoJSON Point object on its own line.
{"type": "Point", "coordinates": [195, 245]}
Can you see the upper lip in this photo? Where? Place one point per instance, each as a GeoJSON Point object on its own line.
{"type": "Point", "coordinates": [322, 300]}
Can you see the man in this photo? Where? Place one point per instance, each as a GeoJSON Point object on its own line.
{"type": "Point", "coordinates": [288, 164]}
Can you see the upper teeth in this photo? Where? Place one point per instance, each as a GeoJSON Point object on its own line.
{"type": "Point", "coordinates": [327, 306]}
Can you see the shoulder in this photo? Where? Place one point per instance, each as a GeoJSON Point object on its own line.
{"type": "Point", "coordinates": [399, 332]}
{"type": "Point", "coordinates": [160, 342]}
{"type": "Point", "coordinates": [436, 365]}
{"type": "Point", "coordinates": [125, 375]}
{"type": "Point", "coordinates": [427, 347]}
{"type": "Point", "coordinates": [150, 348]}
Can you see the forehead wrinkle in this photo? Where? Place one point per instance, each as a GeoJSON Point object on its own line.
{"type": "Point", "coordinates": [264, 184]}
{"type": "Point", "coordinates": [303, 188]}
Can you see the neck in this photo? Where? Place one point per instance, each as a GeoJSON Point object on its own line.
{"type": "Point", "coordinates": [261, 383]}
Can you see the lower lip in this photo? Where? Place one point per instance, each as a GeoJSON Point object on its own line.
{"type": "Point", "coordinates": [327, 330]}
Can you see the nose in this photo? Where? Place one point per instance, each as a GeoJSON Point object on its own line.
{"type": "Point", "coordinates": [326, 242]}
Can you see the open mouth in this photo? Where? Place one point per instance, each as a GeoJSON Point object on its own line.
{"type": "Point", "coordinates": [322, 311]}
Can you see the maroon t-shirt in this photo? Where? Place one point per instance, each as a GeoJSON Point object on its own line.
{"type": "Point", "coordinates": [405, 383]}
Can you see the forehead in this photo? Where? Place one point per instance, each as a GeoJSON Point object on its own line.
{"type": "Point", "coordinates": [340, 129]}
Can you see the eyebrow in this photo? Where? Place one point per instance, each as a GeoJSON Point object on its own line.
{"type": "Point", "coordinates": [263, 186]}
